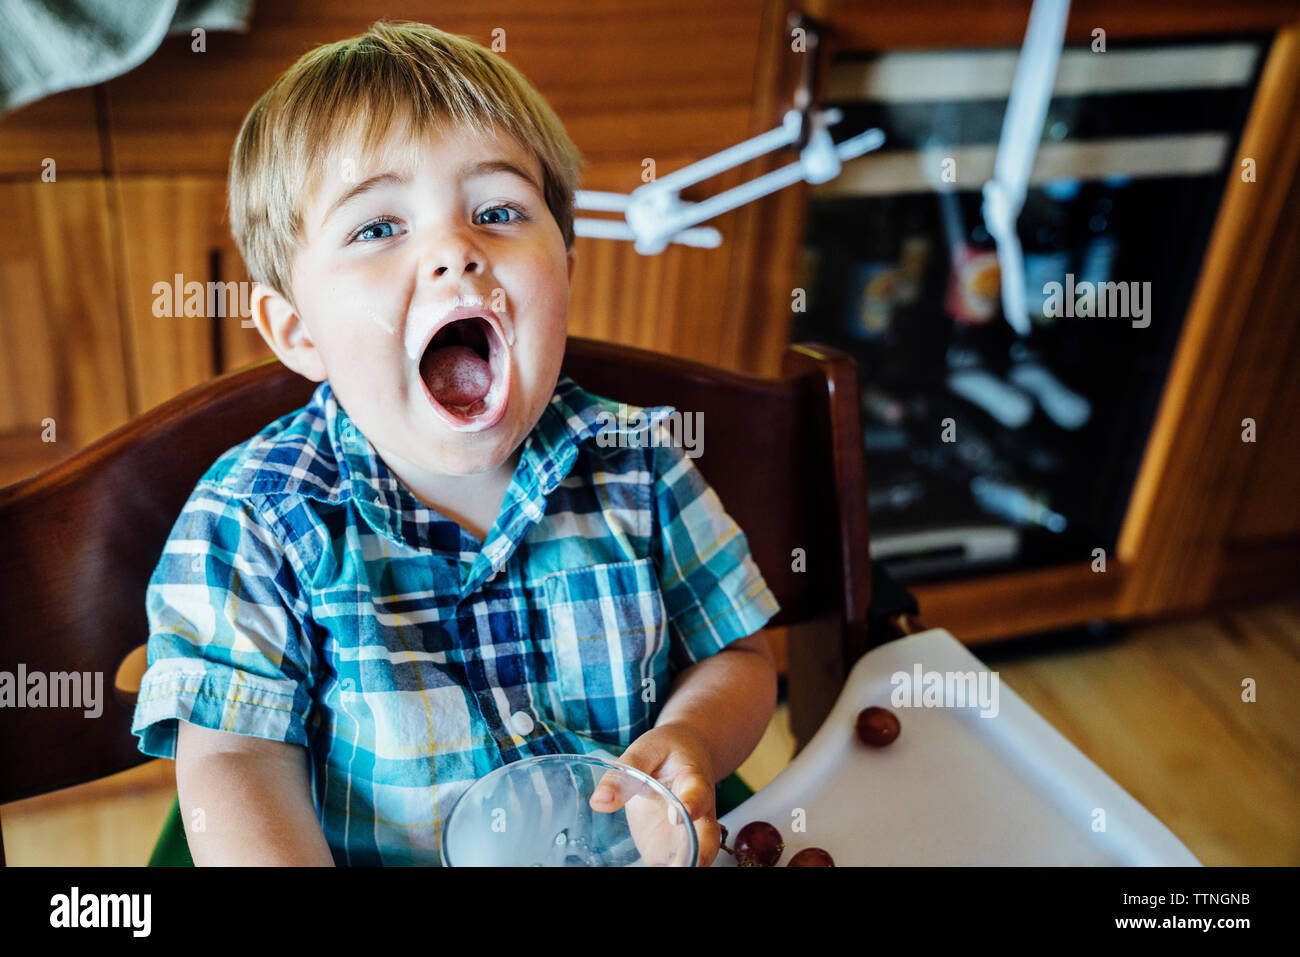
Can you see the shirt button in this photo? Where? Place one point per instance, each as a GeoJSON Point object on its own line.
{"type": "Point", "coordinates": [522, 722]}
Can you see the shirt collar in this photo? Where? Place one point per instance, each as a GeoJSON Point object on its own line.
{"type": "Point", "coordinates": [572, 417]}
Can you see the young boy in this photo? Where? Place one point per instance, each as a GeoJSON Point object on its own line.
{"type": "Point", "coordinates": [434, 567]}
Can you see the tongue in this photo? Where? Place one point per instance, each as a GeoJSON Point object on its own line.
{"type": "Point", "coordinates": [456, 375]}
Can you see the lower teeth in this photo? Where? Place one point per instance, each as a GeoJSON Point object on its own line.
{"type": "Point", "coordinates": [468, 411]}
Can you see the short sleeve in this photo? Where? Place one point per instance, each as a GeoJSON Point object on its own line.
{"type": "Point", "coordinates": [713, 591]}
{"type": "Point", "coordinates": [227, 643]}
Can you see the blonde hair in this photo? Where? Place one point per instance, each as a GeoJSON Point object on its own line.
{"type": "Point", "coordinates": [395, 69]}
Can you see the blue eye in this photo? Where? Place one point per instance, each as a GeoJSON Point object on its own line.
{"type": "Point", "coordinates": [368, 231]}
{"type": "Point", "coordinates": [504, 208]}
{"type": "Point", "coordinates": [385, 227]}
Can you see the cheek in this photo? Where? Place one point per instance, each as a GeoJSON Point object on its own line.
{"type": "Point", "coordinates": [360, 316]}
{"type": "Point", "coordinates": [544, 291]}
{"type": "Point", "coordinates": [544, 312]}
{"type": "Point", "coordinates": [367, 301]}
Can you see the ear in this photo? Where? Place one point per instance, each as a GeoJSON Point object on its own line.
{"type": "Point", "coordinates": [573, 261]}
{"type": "Point", "coordinates": [285, 332]}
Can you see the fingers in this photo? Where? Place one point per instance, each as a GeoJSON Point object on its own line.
{"type": "Point", "coordinates": [613, 790]}
{"type": "Point", "coordinates": [657, 839]}
{"type": "Point", "coordinates": [709, 834]}
{"type": "Point", "coordinates": [698, 796]}
{"type": "Point", "coordinates": [646, 754]}
{"type": "Point", "coordinates": [696, 793]}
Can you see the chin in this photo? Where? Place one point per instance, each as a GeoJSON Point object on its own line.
{"type": "Point", "coordinates": [463, 461]}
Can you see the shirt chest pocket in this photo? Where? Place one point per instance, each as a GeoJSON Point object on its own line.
{"type": "Point", "coordinates": [609, 645]}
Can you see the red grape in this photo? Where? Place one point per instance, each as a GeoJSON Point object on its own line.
{"type": "Point", "coordinates": [811, 857]}
{"type": "Point", "coordinates": [877, 727]}
{"type": "Point", "coordinates": [758, 844]}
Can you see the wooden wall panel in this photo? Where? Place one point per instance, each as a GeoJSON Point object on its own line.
{"type": "Point", "coordinates": [63, 127]}
{"type": "Point", "coordinates": [240, 345]}
{"type": "Point", "coordinates": [171, 226]}
{"type": "Point", "coordinates": [728, 306]}
{"type": "Point", "coordinates": [674, 302]}
{"type": "Point", "coordinates": [772, 229]}
{"type": "Point", "coordinates": [629, 79]}
{"type": "Point", "coordinates": [60, 331]}
{"type": "Point", "coordinates": [29, 387]}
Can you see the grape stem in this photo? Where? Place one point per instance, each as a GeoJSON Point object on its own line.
{"type": "Point", "coordinates": [723, 841]}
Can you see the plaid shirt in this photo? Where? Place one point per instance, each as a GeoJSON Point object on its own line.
{"type": "Point", "coordinates": [306, 596]}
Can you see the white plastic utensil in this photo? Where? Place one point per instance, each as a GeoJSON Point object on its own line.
{"type": "Point", "coordinates": [656, 215]}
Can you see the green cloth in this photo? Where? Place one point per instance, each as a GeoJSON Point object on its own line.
{"type": "Point", "coordinates": [173, 850]}
{"type": "Point", "coordinates": [732, 792]}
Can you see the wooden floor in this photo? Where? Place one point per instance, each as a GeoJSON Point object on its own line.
{"type": "Point", "coordinates": [1160, 711]}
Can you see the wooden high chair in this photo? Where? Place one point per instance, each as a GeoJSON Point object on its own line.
{"type": "Point", "coordinates": [79, 541]}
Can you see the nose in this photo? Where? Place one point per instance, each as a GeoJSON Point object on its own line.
{"type": "Point", "coordinates": [453, 253]}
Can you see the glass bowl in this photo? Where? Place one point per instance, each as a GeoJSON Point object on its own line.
{"type": "Point", "coordinates": [537, 812]}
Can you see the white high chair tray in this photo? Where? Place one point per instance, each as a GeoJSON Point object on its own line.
{"type": "Point", "coordinates": [954, 788]}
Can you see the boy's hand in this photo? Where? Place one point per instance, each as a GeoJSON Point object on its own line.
{"type": "Point", "coordinates": [676, 756]}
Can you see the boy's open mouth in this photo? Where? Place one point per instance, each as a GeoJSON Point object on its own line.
{"type": "Point", "coordinates": [466, 374]}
